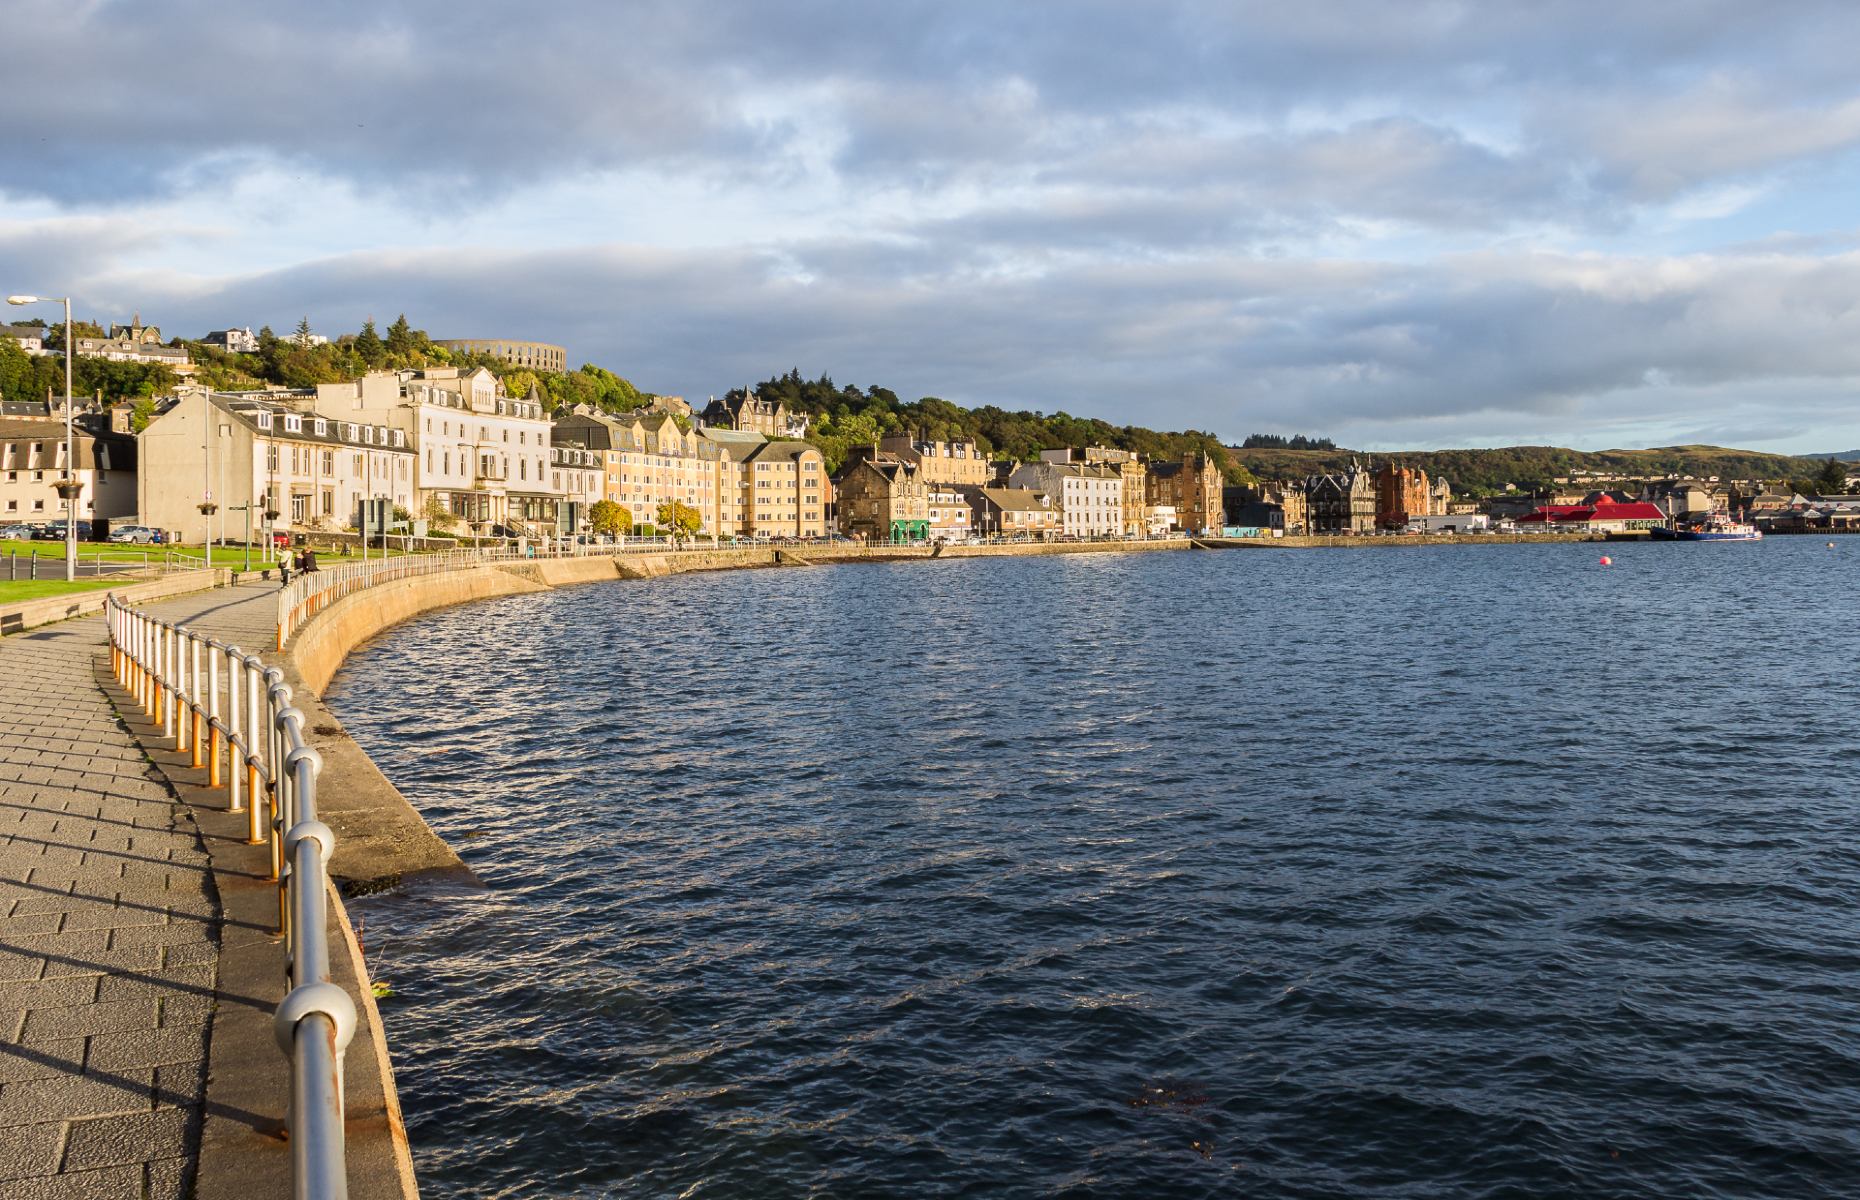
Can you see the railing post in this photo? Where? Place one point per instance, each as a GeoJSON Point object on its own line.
{"type": "Point", "coordinates": [196, 751]}
{"type": "Point", "coordinates": [256, 737]}
{"type": "Point", "coordinates": [214, 729]}
{"type": "Point", "coordinates": [238, 738]}
{"type": "Point", "coordinates": [183, 640]}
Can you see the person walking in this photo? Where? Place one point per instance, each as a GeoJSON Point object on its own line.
{"type": "Point", "coordinates": [284, 570]}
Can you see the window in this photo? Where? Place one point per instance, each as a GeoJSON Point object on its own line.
{"type": "Point", "coordinates": [297, 507]}
{"type": "Point", "coordinates": [329, 502]}
{"type": "Point", "coordinates": [329, 462]}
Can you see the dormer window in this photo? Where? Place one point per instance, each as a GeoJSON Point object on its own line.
{"type": "Point", "coordinates": [264, 420]}
{"type": "Point", "coordinates": [293, 423]}
{"type": "Point", "coordinates": [322, 427]}
{"type": "Point", "coordinates": [349, 431]}
{"type": "Point", "coordinates": [368, 434]}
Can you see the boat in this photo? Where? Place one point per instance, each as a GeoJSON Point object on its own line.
{"type": "Point", "coordinates": [1719, 527]}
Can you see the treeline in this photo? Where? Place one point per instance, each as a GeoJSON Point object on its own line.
{"type": "Point", "coordinates": [29, 377]}
{"type": "Point", "coordinates": [1298, 441]}
{"type": "Point", "coordinates": [290, 361]}
{"type": "Point", "coordinates": [1484, 472]}
{"type": "Point", "coordinates": [845, 417]}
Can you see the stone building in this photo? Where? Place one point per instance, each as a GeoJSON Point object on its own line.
{"type": "Point", "coordinates": [950, 515]}
{"type": "Point", "coordinates": [1012, 512]}
{"type": "Point", "coordinates": [272, 451]}
{"type": "Point", "coordinates": [1341, 503]}
{"type": "Point", "coordinates": [32, 460]}
{"type": "Point", "coordinates": [134, 342]}
{"type": "Point", "coordinates": [1192, 487]}
{"type": "Point", "coordinates": [882, 498]}
{"type": "Point", "coordinates": [746, 410]}
{"type": "Point", "coordinates": [958, 461]}
{"type": "Point", "coordinates": [1402, 493]}
{"type": "Point", "coordinates": [535, 356]}
{"type": "Point", "coordinates": [649, 460]}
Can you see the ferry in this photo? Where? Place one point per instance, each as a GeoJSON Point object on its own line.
{"type": "Point", "coordinates": [1716, 528]}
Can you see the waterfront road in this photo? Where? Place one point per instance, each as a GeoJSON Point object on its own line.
{"type": "Point", "coordinates": [110, 925]}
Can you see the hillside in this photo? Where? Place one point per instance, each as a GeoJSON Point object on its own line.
{"type": "Point", "coordinates": [1484, 471]}
{"type": "Point", "coordinates": [850, 416]}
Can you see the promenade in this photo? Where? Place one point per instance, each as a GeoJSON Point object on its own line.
{"type": "Point", "coordinates": [112, 928]}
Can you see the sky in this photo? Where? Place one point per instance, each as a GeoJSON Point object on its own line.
{"type": "Point", "coordinates": [1397, 225]}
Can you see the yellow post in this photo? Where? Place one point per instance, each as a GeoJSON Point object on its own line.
{"type": "Point", "coordinates": [213, 756]}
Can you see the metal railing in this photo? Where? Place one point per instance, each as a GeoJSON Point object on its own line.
{"type": "Point", "coordinates": [310, 593]}
{"type": "Point", "coordinates": [232, 715]}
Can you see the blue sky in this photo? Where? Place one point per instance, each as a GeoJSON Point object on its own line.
{"type": "Point", "coordinates": [1427, 224]}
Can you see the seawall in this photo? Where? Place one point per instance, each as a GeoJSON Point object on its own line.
{"type": "Point", "coordinates": [1406, 540]}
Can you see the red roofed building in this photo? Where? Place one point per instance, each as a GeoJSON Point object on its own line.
{"type": "Point", "coordinates": [1601, 517]}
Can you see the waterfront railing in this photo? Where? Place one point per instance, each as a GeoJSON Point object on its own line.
{"type": "Point", "coordinates": [233, 716]}
{"type": "Point", "coordinates": [313, 591]}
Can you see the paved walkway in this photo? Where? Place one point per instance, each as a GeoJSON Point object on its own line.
{"type": "Point", "coordinates": [109, 925]}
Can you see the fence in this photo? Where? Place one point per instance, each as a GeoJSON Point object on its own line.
{"type": "Point", "coordinates": [233, 717]}
{"type": "Point", "coordinates": [312, 592]}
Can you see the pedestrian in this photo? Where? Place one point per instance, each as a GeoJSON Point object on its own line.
{"type": "Point", "coordinates": [284, 570]}
{"type": "Point", "coordinates": [309, 563]}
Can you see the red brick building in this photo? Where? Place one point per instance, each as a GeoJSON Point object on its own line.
{"type": "Point", "coordinates": [1402, 493]}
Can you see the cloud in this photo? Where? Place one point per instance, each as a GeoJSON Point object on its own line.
{"type": "Point", "coordinates": [1437, 220]}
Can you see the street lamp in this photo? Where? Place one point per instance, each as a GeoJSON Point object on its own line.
{"type": "Point", "coordinates": [68, 487]}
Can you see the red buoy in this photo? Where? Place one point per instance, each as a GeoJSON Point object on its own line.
{"type": "Point", "coordinates": [1607, 561]}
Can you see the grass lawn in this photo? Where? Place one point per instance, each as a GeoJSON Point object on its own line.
{"type": "Point", "coordinates": [88, 552]}
{"type": "Point", "coordinates": [12, 591]}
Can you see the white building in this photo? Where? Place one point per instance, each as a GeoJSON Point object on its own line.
{"type": "Point", "coordinates": [482, 456]}
{"type": "Point", "coordinates": [32, 459]}
{"type": "Point", "coordinates": [236, 341]}
{"type": "Point", "coordinates": [1089, 497]}
{"type": "Point", "coordinates": [269, 451]}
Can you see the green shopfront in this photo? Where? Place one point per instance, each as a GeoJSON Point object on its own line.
{"type": "Point", "coordinates": [909, 531]}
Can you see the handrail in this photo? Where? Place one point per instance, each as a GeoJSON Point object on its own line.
{"type": "Point", "coordinates": [309, 594]}
{"type": "Point", "coordinates": [271, 774]}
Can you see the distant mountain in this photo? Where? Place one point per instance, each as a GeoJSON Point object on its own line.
{"type": "Point", "coordinates": [1843, 455]}
{"type": "Point", "coordinates": [1529, 466]}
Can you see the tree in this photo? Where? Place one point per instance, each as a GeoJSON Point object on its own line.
{"type": "Point", "coordinates": [302, 336]}
{"type": "Point", "coordinates": [681, 519]}
{"type": "Point", "coordinates": [400, 338]}
{"type": "Point", "coordinates": [1832, 479]}
{"type": "Point", "coordinates": [609, 519]}
{"type": "Point", "coordinates": [368, 344]}
{"type": "Point", "coordinates": [437, 514]}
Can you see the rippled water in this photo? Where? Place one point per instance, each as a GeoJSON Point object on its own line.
{"type": "Point", "coordinates": [1404, 873]}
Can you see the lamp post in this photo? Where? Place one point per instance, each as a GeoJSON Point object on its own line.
{"type": "Point", "coordinates": [67, 487]}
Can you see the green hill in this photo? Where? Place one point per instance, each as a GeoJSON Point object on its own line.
{"type": "Point", "coordinates": [1484, 471]}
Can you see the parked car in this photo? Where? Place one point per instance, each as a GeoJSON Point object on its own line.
{"type": "Point", "coordinates": [16, 533]}
{"type": "Point", "coordinates": [136, 533]}
{"type": "Point", "coordinates": [54, 531]}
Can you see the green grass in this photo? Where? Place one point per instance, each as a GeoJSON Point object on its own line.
{"type": "Point", "coordinates": [223, 556]}
{"type": "Point", "coordinates": [12, 591]}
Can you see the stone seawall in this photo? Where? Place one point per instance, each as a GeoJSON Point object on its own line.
{"type": "Point", "coordinates": [1372, 543]}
